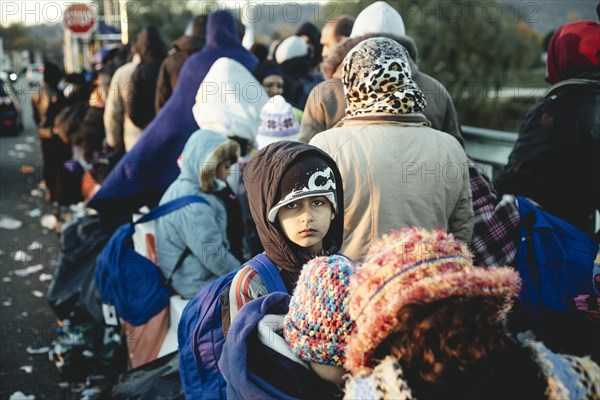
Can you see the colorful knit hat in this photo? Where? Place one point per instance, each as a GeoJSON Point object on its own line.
{"type": "Point", "coordinates": [318, 324]}
{"type": "Point", "coordinates": [277, 122]}
{"type": "Point", "coordinates": [409, 266]}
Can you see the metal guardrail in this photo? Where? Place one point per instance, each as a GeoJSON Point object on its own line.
{"type": "Point", "coordinates": [489, 148]}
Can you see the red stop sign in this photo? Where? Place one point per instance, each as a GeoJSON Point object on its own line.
{"type": "Point", "coordinates": [79, 18]}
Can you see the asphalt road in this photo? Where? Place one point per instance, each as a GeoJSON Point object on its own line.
{"type": "Point", "coordinates": [26, 320]}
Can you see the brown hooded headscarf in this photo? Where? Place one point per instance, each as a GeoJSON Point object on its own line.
{"type": "Point", "coordinates": [262, 177]}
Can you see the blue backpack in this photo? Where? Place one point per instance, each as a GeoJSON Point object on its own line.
{"type": "Point", "coordinates": [200, 332]}
{"type": "Point", "coordinates": [555, 260]}
{"type": "Point", "coordinates": [127, 279]}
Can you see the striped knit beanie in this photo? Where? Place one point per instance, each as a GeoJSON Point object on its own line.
{"type": "Point", "coordinates": [410, 266]}
{"type": "Point", "coordinates": [318, 324]}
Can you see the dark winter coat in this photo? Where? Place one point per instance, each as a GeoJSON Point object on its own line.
{"type": "Point", "coordinates": [235, 223]}
{"type": "Point", "coordinates": [140, 106]}
{"type": "Point", "coordinates": [298, 80]}
{"type": "Point", "coordinates": [168, 75]}
{"type": "Point", "coordinates": [555, 160]}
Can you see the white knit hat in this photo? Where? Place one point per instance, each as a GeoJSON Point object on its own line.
{"type": "Point", "coordinates": [291, 47]}
{"type": "Point", "coordinates": [378, 18]}
{"type": "Point", "coordinates": [277, 122]}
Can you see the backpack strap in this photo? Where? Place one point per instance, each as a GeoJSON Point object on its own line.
{"type": "Point", "coordinates": [268, 272]}
{"type": "Point", "coordinates": [166, 208]}
{"type": "Point", "coordinates": [180, 260]}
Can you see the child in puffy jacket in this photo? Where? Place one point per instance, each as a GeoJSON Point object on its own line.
{"type": "Point", "coordinates": [200, 227]}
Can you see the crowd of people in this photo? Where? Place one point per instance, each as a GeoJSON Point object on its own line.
{"type": "Point", "coordinates": [330, 154]}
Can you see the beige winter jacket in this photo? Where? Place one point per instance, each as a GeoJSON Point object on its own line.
{"type": "Point", "coordinates": [326, 103]}
{"type": "Point", "coordinates": [121, 132]}
{"type": "Point", "coordinates": [397, 171]}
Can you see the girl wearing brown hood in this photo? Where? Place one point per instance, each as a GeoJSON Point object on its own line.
{"type": "Point", "coordinates": [296, 200]}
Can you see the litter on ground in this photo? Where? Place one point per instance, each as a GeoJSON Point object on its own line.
{"type": "Point", "coordinates": [20, 255]}
{"type": "Point", "coordinates": [35, 245]}
{"type": "Point", "coordinates": [35, 213]}
{"type": "Point", "coordinates": [27, 169]}
{"type": "Point", "coordinates": [23, 147]}
{"type": "Point", "coordinates": [29, 270]}
{"type": "Point", "coordinates": [18, 395]}
{"type": "Point", "coordinates": [27, 368]}
{"type": "Point", "coordinates": [10, 223]}
{"type": "Point", "coordinates": [41, 350]}
{"type": "Point", "coordinates": [37, 193]}
{"type": "Point", "coordinates": [49, 221]}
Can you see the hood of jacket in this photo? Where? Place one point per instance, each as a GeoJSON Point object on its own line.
{"type": "Point", "coordinates": [573, 50]}
{"type": "Point", "coordinates": [233, 361]}
{"type": "Point", "coordinates": [198, 152]}
{"type": "Point", "coordinates": [310, 31]}
{"type": "Point", "coordinates": [295, 67]}
{"type": "Point", "coordinates": [221, 30]}
{"type": "Point", "coordinates": [379, 18]}
{"type": "Point", "coordinates": [332, 66]}
{"type": "Point", "coordinates": [229, 100]}
{"type": "Point", "coordinates": [262, 177]}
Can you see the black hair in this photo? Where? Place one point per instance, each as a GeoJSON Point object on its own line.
{"type": "Point", "coordinates": [343, 25]}
{"type": "Point", "coordinates": [199, 25]}
{"type": "Point", "coordinates": [260, 51]}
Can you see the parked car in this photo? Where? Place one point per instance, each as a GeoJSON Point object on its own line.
{"type": "Point", "coordinates": [34, 74]}
{"type": "Point", "coordinates": [11, 111]}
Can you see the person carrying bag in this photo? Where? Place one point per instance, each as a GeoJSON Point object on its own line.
{"type": "Point", "coordinates": [129, 281]}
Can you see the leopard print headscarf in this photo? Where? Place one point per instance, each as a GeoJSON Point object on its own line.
{"type": "Point", "coordinates": [377, 78]}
